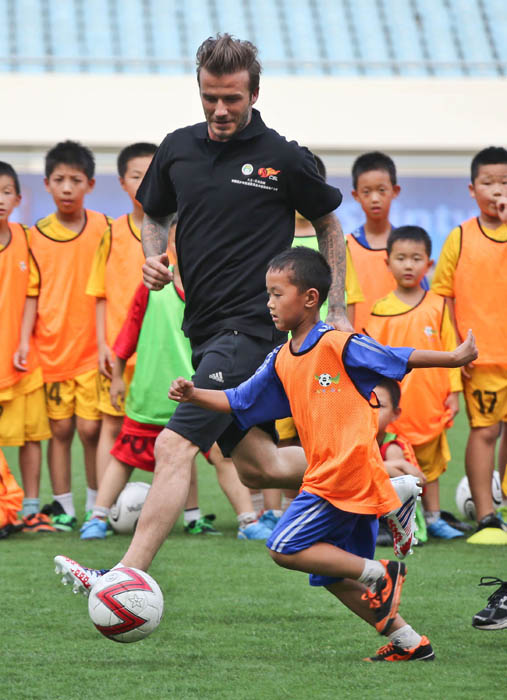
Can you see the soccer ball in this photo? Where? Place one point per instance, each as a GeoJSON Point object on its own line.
{"type": "Point", "coordinates": [325, 380]}
{"type": "Point", "coordinates": [464, 502]}
{"type": "Point", "coordinates": [126, 604]}
{"type": "Point", "coordinates": [125, 513]}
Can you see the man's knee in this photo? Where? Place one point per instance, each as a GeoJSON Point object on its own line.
{"type": "Point", "coordinates": [173, 451]}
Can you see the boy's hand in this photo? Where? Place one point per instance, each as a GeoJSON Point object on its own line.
{"type": "Point", "coordinates": [501, 207]}
{"type": "Point", "coordinates": [408, 468]}
{"type": "Point", "coordinates": [20, 357]}
{"type": "Point", "coordinates": [452, 403]}
{"type": "Point", "coordinates": [465, 354]}
{"type": "Point", "coordinates": [106, 362]}
{"type": "Point", "coordinates": [117, 392]}
{"type": "Point", "coordinates": [181, 390]}
{"type": "Point", "coordinates": [156, 273]}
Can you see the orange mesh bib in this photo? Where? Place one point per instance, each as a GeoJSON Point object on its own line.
{"type": "Point", "coordinates": [14, 270]}
{"type": "Point", "coordinates": [423, 391]}
{"type": "Point", "coordinates": [123, 276]}
{"type": "Point", "coordinates": [480, 290]}
{"type": "Point", "coordinates": [65, 328]}
{"type": "Point", "coordinates": [337, 428]}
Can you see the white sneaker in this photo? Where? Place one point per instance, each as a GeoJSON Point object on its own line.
{"type": "Point", "coordinates": [81, 578]}
{"type": "Point", "coordinates": [401, 522]}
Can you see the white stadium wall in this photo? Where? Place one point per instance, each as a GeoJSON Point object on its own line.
{"type": "Point", "coordinates": [431, 126]}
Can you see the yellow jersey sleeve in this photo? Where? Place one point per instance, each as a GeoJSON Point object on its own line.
{"type": "Point", "coordinates": [352, 286]}
{"type": "Point", "coordinates": [449, 342]}
{"type": "Point", "coordinates": [96, 286]}
{"type": "Point", "coordinates": [443, 279]}
{"type": "Point", "coordinates": [33, 271]}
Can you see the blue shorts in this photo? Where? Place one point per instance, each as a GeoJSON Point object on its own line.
{"type": "Point", "coordinates": [310, 519]}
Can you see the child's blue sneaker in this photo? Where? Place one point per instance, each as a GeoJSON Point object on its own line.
{"type": "Point", "coordinates": [94, 529]}
{"type": "Point", "coordinates": [254, 531]}
{"type": "Point", "coordinates": [443, 530]}
{"type": "Point", "coordinates": [269, 520]}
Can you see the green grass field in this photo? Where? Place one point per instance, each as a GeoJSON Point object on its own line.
{"type": "Point", "coordinates": [236, 626]}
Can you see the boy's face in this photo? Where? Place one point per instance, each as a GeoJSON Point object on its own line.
{"type": "Point", "coordinates": [136, 170]}
{"type": "Point", "coordinates": [286, 304]}
{"type": "Point", "coordinates": [386, 413]}
{"type": "Point", "coordinates": [375, 193]}
{"type": "Point", "coordinates": [9, 199]}
{"type": "Point", "coordinates": [487, 188]}
{"type": "Point", "coordinates": [409, 262]}
{"type": "Point", "coordinates": [68, 186]}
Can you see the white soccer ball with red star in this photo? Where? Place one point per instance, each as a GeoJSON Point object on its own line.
{"type": "Point", "coordinates": [126, 604]}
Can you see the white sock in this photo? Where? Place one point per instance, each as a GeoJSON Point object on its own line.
{"type": "Point", "coordinates": [31, 506]}
{"type": "Point", "coordinates": [67, 502]}
{"type": "Point", "coordinates": [277, 513]}
{"type": "Point", "coordinates": [247, 518]}
{"type": "Point", "coordinates": [431, 516]}
{"type": "Point", "coordinates": [100, 512]}
{"type": "Point", "coordinates": [405, 637]}
{"type": "Point", "coordinates": [258, 501]}
{"type": "Point", "coordinates": [373, 570]}
{"type": "Point", "coordinates": [91, 497]}
{"type": "Point", "coordinates": [191, 514]}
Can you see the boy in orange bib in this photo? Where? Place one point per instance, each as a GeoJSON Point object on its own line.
{"type": "Point", "coordinates": [471, 275]}
{"type": "Point", "coordinates": [63, 245]}
{"type": "Point", "coordinates": [23, 417]}
{"type": "Point", "coordinates": [429, 400]}
{"type": "Point", "coordinates": [115, 275]}
{"type": "Point", "coordinates": [325, 379]}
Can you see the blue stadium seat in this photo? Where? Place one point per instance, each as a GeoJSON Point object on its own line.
{"type": "Point", "coordinates": [339, 38]}
{"type": "Point", "coordinates": [29, 35]}
{"type": "Point", "coordinates": [100, 39]}
{"type": "Point", "coordinates": [497, 16]}
{"type": "Point", "coordinates": [270, 40]}
{"type": "Point", "coordinates": [169, 31]}
{"type": "Point", "coordinates": [406, 39]}
{"type": "Point", "coordinates": [68, 41]}
{"type": "Point", "coordinates": [373, 45]}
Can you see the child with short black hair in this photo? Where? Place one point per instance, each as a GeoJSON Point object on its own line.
{"type": "Point", "coordinates": [429, 399]}
{"type": "Point", "coordinates": [23, 417]}
{"type": "Point", "coordinates": [325, 378]}
{"type": "Point", "coordinates": [63, 245]}
{"type": "Point", "coordinates": [115, 274]}
{"type": "Point", "coordinates": [471, 276]}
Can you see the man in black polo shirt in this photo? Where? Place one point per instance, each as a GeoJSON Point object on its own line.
{"type": "Point", "coordinates": [235, 184]}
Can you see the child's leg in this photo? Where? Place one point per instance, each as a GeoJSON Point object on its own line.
{"type": "Point", "coordinates": [89, 431]}
{"type": "Point", "coordinates": [59, 454]}
{"type": "Point", "coordinates": [114, 481]}
{"type": "Point", "coordinates": [30, 458]}
{"type": "Point", "coordinates": [480, 463]}
{"type": "Point", "coordinates": [502, 457]}
{"type": "Point", "coordinates": [109, 431]}
{"type": "Point", "coordinates": [237, 493]}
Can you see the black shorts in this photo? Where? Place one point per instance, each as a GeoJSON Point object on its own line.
{"type": "Point", "coordinates": [220, 362]}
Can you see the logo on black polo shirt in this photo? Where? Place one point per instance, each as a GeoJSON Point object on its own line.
{"type": "Point", "coordinates": [268, 172]}
{"type": "Point", "coordinates": [247, 169]}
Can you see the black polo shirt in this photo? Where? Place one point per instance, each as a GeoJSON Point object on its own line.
{"type": "Point", "coordinates": [235, 202]}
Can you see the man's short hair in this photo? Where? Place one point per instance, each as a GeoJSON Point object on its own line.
{"type": "Point", "coordinates": [393, 389]}
{"type": "Point", "coordinates": [135, 150]}
{"type": "Point", "coordinates": [493, 155]}
{"type": "Point", "coordinates": [70, 153]}
{"type": "Point", "coordinates": [224, 54]}
{"type": "Point", "coordinates": [409, 233]}
{"type": "Point", "coordinates": [307, 269]}
{"type": "Point", "coordinates": [8, 170]}
{"type": "Point", "coordinates": [375, 160]}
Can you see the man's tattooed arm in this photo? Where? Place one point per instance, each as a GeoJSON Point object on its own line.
{"type": "Point", "coordinates": [332, 246]}
{"type": "Point", "coordinates": [154, 234]}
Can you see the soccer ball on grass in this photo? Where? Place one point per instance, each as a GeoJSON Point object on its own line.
{"type": "Point", "coordinates": [126, 604]}
{"type": "Point", "coordinates": [125, 513]}
{"type": "Point", "coordinates": [464, 502]}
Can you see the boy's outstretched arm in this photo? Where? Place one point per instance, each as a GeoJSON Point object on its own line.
{"type": "Point", "coordinates": [184, 391]}
{"type": "Point", "coordinates": [462, 355]}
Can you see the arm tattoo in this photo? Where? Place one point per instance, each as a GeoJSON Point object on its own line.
{"type": "Point", "coordinates": [332, 246]}
{"type": "Point", "coordinates": [154, 234]}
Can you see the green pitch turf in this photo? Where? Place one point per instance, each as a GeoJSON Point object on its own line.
{"type": "Point", "coordinates": [236, 626]}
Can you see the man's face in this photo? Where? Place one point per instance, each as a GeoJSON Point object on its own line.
{"type": "Point", "coordinates": [227, 102]}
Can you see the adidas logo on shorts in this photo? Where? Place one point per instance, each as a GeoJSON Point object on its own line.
{"type": "Point", "coordinates": [217, 377]}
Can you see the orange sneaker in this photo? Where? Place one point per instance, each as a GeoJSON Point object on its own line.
{"type": "Point", "coordinates": [390, 652]}
{"type": "Point", "coordinates": [38, 522]}
{"type": "Point", "coordinates": [384, 599]}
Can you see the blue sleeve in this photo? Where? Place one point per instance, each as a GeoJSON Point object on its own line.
{"type": "Point", "coordinates": [367, 361]}
{"type": "Point", "coordinates": [261, 398]}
